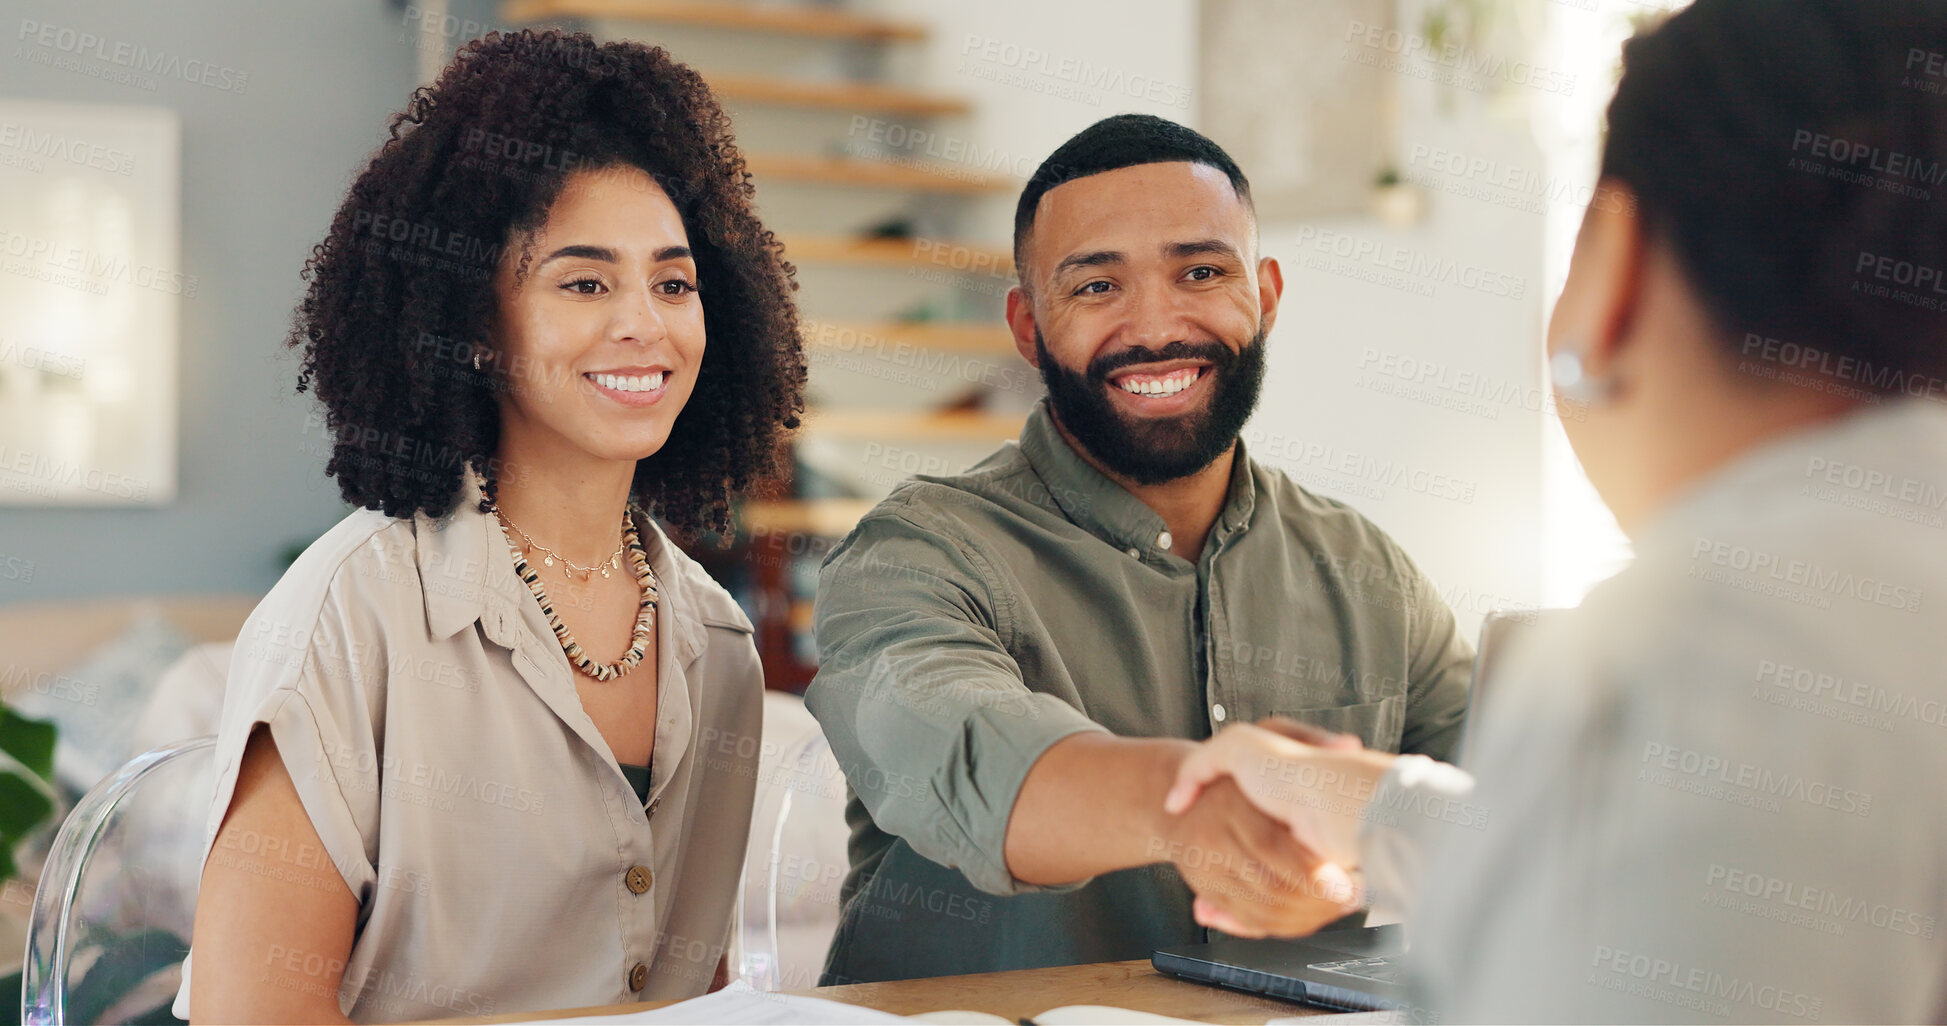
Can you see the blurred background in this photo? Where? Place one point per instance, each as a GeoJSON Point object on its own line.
{"type": "Point", "coordinates": [1420, 168]}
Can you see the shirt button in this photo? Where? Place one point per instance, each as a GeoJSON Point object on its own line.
{"type": "Point", "coordinates": [1164, 541]}
{"type": "Point", "coordinates": [1217, 712]}
{"type": "Point", "coordinates": [638, 977]}
{"type": "Point", "coordinates": [638, 878]}
{"type": "Point", "coordinates": [1135, 553]}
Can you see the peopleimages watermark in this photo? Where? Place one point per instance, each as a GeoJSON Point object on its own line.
{"type": "Point", "coordinates": [1358, 466]}
{"type": "Point", "coordinates": [1897, 496]}
{"type": "Point", "coordinates": [38, 473]}
{"type": "Point", "coordinates": [421, 459]}
{"type": "Point", "coordinates": [1692, 986]}
{"type": "Point", "coordinates": [1294, 671]}
{"type": "Point", "coordinates": [1865, 164]}
{"type": "Point", "coordinates": [1061, 77]}
{"type": "Point", "coordinates": [871, 137]}
{"type": "Point", "coordinates": [524, 152]}
{"type": "Point", "coordinates": [17, 568]}
{"type": "Point", "coordinates": [420, 783]}
{"type": "Point", "coordinates": [1816, 908]}
{"type": "Point", "coordinates": [1842, 698]}
{"type": "Point", "coordinates": [1926, 71]}
{"type": "Point", "coordinates": [1453, 64]}
{"type": "Point", "coordinates": [84, 269]}
{"type": "Point", "coordinates": [1399, 587]}
{"type": "Point", "coordinates": [34, 147]}
{"type": "Point", "coordinates": [1902, 281]}
{"type": "Point", "coordinates": [1508, 185]}
{"type": "Point", "coordinates": [1797, 580]}
{"type": "Point", "coordinates": [931, 366]}
{"type": "Point", "coordinates": [66, 365]}
{"type": "Point", "coordinates": [426, 245]}
{"type": "Point", "coordinates": [64, 48]}
{"type": "Point", "coordinates": [1812, 367]}
{"type": "Point", "coordinates": [437, 29]}
{"type": "Point", "coordinates": [1742, 783]}
{"type": "Point", "coordinates": [1464, 391]}
{"type": "Point", "coordinates": [17, 680]}
{"type": "Point", "coordinates": [1358, 795]}
{"type": "Point", "coordinates": [1400, 267]}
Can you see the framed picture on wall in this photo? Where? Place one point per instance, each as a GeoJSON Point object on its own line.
{"type": "Point", "coordinates": [1304, 110]}
{"type": "Point", "coordinates": [90, 283]}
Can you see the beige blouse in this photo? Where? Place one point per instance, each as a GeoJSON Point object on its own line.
{"type": "Point", "coordinates": [500, 859]}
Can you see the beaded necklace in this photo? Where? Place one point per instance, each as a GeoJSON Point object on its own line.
{"type": "Point", "coordinates": [645, 621]}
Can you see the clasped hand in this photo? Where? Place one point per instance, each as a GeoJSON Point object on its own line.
{"type": "Point", "coordinates": [1267, 819]}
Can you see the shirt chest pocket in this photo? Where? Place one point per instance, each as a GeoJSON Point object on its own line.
{"type": "Point", "coordinates": [1378, 725]}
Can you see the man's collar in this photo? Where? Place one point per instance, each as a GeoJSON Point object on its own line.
{"type": "Point", "coordinates": [1094, 502]}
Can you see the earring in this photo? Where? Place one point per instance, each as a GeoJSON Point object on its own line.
{"type": "Point", "coordinates": [476, 360]}
{"type": "Point", "coordinates": [1572, 382]}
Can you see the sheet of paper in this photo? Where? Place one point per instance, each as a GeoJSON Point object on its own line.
{"type": "Point", "coordinates": [733, 1006]}
{"type": "Point", "coordinates": [1066, 1015]}
{"type": "Point", "coordinates": [1103, 1015]}
{"type": "Point", "coordinates": [1387, 1018]}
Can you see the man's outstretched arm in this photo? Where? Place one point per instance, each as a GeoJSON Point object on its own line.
{"type": "Point", "coordinates": [948, 748]}
{"type": "Point", "coordinates": [1094, 803]}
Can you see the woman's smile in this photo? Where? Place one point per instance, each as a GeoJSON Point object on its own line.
{"type": "Point", "coordinates": [631, 386]}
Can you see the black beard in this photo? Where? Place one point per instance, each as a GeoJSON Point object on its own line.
{"type": "Point", "coordinates": [1151, 452]}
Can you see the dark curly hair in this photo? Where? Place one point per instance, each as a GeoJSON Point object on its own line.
{"type": "Point", "coordinates": [1787, 150]}
{"type": "Point", "coordinates": [401, 296]}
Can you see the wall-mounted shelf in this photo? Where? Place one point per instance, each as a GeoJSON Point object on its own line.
{"type": "Point", "coordinates": [841, 96]}
{"type": "Point", "coordinates": [722, 14]}
{"type": "Point", "coordinates": [873, 174]}
{"type": "Point", "coordinates": [874, 425]}
{"type": "Point", "coordinates": [933, 254]}
{"type": "Point", "coordinates": [949, 336]}
{"type": "Point", "coordinates": [823, 518]}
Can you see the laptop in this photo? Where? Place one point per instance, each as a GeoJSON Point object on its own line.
{"type": "Point", "coordinates": [1347, 970]}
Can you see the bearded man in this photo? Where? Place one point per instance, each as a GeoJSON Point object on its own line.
{"type": "Point", "coordinates": [1015, 660]}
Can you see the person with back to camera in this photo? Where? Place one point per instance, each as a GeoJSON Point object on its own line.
{"type": "Point", "coordinates": [476, 753]}
{"type": "Point", "coordinates": [1712, 792]}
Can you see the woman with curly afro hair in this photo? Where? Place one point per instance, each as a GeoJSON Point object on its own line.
{"type": "Point", "coordinates": [490, 744]}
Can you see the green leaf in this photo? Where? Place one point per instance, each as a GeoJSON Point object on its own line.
{"type": "Point", "coordinates": [23, 806]}
{"type": "Point", "coordinates": [30, 741]}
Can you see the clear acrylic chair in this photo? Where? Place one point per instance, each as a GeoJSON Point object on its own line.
{"type": "Point", "coordinates": [111, 917]}
{"type": "Point", "coordinates": [794, 869]}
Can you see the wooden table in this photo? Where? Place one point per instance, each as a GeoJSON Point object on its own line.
{"type": "Point", "coordinates": [1022, 993]}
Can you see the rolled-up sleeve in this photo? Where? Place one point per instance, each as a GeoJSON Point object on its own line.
{"type": "Point", "coordinates": [290, 671]}
{"type": "Point", "coordinates": [293, 678]}
{"type": "Point", "coordinates": [921, 701]}
{"type": "Point", "coordinates": [1440, 674]}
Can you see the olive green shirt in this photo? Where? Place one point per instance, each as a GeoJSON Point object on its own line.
{"type": "Point", "coordinates": [970, 622]}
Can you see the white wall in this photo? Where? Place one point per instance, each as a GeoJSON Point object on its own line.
{"type": "Point", "coordinates": [263, 168]}
{"type": "Point", "coordinates": [1406, 370]}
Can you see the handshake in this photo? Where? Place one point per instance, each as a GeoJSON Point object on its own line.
{"type": "Point", "coordinates": [1263, 826]}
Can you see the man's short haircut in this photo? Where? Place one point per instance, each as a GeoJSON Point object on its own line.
{"type": "Point", "coordinates": [1113, 143]}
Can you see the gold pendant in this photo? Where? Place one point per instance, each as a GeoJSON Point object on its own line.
{"type": "Point", "coordinates": [605, 573]}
